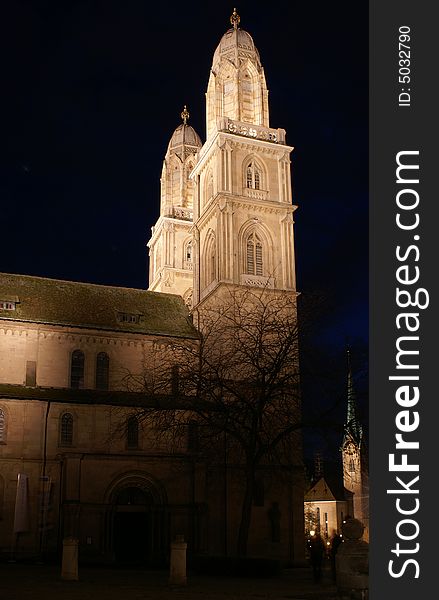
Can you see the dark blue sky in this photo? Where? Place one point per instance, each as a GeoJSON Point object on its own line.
{"type": "Point", "coordinates": [93, 92]}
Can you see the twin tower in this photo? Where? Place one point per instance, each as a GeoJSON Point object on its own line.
{"type": "Point", "coordinates": [226, 212]}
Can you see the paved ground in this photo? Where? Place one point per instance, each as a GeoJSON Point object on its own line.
{"type": "Point", "coordinates": [32, 582]}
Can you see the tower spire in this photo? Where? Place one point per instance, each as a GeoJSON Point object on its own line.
{"type": "Point", "coordinates": [235, 19]}
{"type": "Point", "coordinates": [185, 115]}
{"type": "Point", "coordinates": [352, 426]}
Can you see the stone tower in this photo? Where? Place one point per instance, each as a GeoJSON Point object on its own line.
{"type": "Point", "coordinates": [354, 475]}
{"type": "Point", "coordinates": [243, 211]}
{"type": "Point", "coordinates": [170, 246]}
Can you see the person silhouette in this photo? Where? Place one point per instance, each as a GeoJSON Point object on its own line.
{"type": "Point", "coordinates": [317, 551]}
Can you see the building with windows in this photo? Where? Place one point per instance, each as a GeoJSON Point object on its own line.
{"type": "Point", "coordinates": [334, 497]}
{"type": "Point", "coordinates": [74, 459]}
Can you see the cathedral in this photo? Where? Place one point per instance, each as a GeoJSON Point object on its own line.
{"type": "Point", "coordinates": [74, 460]}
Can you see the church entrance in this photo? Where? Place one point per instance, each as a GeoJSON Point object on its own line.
{"type": "Point", "coordinates": [139, 532]}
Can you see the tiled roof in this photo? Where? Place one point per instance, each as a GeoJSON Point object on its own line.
{"type": "Point", "coordinates": [86, 305]}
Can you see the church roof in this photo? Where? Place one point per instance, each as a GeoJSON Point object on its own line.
{"type": "Point", "coordinates": [91, 306]}
{"type": "Point", "coordinates": [185, 135]}
{"type": "Point", "coordinates": [326, 489]}
{"type": "Point", "coordinates": [236, 43]}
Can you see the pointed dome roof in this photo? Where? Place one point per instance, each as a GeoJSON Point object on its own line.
{"type": "Point", "coordinates": [236, 43]}
{"type": "Point", "coordinates": [184, 135]}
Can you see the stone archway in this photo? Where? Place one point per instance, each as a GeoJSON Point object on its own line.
{"type": "Point", "coordinates": [137, 521]}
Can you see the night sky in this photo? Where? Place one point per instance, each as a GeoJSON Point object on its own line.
{"type": "Point", "coordinates": [93, 93]}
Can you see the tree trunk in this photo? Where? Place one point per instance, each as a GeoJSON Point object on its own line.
{"type": "Point", "coordinates": [246, 513]}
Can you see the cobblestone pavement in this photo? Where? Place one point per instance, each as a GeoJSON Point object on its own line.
{"type": "Point", "coordinates": [35, 582]}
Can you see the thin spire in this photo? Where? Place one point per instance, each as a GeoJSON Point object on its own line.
{"type": "Point", "coordinates": [185, 115]}
{"type": "Point", "coordinates": [352, 426]}
{"type": "Point", "coordinates": [235, 19]}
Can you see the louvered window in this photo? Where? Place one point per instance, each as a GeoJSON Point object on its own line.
{"type": "Point", "coordinates": [254, 255]}
{"type": "Point", "coordinates": [66, 430]}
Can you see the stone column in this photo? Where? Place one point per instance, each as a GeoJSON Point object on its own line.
{"type": "Point", "coordinates": [69, 569]}
{"type": "Point", "coordinates": [177, 575]}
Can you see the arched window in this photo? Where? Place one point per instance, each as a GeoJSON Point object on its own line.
{"type": "Point", "coordinates": [77, 370]}
{"type": "Point", "coordinates": [66, 430]}
{"type": "Point", "coordinates": [188, 255]}
{"type": "Point", "coordinates": [132, 432]}
{"type": "Point", "coordinates": [254, 255]}
{"type": "Point", "coordinates": [253, 176]}
{"type": "Point", "coordinates": [351, 465]}
{"type": "Point", "coordinates": [2, 426]}
{"type": "Point", "coordinates": [102, 371]}
{"type": "Point", "coordinates": [209, 185]}
{"type": "Point", "coordinates": [209, 262]}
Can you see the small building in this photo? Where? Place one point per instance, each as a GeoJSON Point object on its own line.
{"type": "Point", "coordinates": [326, 507]}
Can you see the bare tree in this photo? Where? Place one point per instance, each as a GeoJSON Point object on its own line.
{"type": "Point", "coordinates": [240, 380]}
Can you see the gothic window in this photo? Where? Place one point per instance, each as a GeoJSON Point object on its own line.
{"type": "Point", "coordinates": [66, 430]}
{"type": "Point", "coordinates": [254, 255]}
{"type": "Point", "coordinates": [132, 432]}
{"type": "Point", "coordinates": [351, 465]}
{"type": "Point", "coordinates": [210, 271]}
{"type": "Point", "coordinates": [77, 370]}
{"type": "Point", "coordinates": [209, 186]}
{"type": "Point", "coordinates": [188, 251]}
{"type": "Point", "coordinates": [102, 371]}
{"type": "Point", "coordinates": [2, 426]}
{"type": "Point", "coordinates": [253, 176]}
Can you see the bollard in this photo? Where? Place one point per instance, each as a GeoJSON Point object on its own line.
{"type": "Point", "coordinates": [177, 575]}
{"type": "Point", "coordinates": [69, 569]}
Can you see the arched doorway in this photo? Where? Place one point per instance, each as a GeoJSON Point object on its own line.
{"type": "Point", "coordinates": [138, 522]}
{"type": "Point", "coordinates": [131, 526]}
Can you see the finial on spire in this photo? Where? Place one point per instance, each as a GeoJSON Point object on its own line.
{"type": "Point", "coordinates": [185, 114]}
{"type": "Point", "coordinates": [235, 19]}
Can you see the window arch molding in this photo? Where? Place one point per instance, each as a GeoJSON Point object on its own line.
{"type": "Point", "coordinates": [255, 230]}
{"type": "Point", "coordinates": [67, 429]}
{"type": "Point", "coordinates": [254, 174]}
{"type": "Point", "coordinates": [209, 260]}
{"type": "Point", "coordinates": [188, 252]}
{"type": "Point", "coordinates": [77, 369]}
{"type": "Point", "coordinates": [102, 371]}
{"type": "Point", "coordinates": [208, 186]}
{"type": "Point", "coordinates": [251, 94]}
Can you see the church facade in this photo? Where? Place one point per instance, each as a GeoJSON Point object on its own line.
{"type": "Point", "coordinates": [74, 459]}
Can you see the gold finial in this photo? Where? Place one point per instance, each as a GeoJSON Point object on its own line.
{"type": "Point", "coordinates": [235, 19]}
{"type": "Point", "coordinates": [185, 115]}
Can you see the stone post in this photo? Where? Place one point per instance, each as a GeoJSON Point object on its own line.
{"type": "Point", "coordinates": [69, 569]}
{"type": "Point", "coordinates": [177, 575]}
{"type": "Point", "coordinates": [352, 562]}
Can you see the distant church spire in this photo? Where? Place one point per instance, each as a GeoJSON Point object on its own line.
{"type": "Point", "coordinates": [352, 425]}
